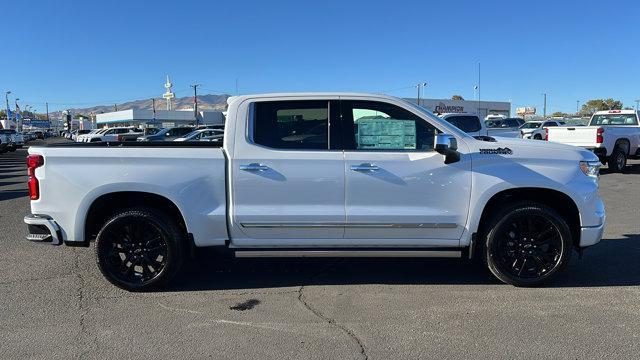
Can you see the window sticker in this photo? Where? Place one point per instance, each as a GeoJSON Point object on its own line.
{"type": "Point", "coordinates": [386, 134]}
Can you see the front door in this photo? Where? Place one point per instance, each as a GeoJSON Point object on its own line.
{"type": "Point", "coordinates": [398, 189]}
{"type": "Point", "coordinates": [288, 177]}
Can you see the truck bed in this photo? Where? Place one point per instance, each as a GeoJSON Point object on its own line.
{"type": "Point", "coordinates": [189, 174]}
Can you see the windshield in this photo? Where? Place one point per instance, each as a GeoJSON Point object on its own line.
{"type": "Point", "coordinates": [436, 121]}
{"type": "Point", "coordinates": [531, 125]}
{"type": "Point", "coordinates": [614, 119]}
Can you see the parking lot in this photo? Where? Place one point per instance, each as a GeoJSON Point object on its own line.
{"type": "Point", "coordinates": [54, 302]}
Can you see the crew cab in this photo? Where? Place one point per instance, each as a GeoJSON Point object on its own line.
{"type": "Point", "coordinates": [613, 135]}
{"type": "Point", "coordinates": [319, 175]}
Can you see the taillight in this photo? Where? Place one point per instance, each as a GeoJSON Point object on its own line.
{"type": "Point", "coordinates": [546, 134]}
{"type": "Point", "coordinates": [599, 137]}
{"type": "Point", "coordinates": [34, 162]}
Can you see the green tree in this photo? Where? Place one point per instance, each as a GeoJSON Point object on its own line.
{"type": "Point", "coordinates": [457, 97]}
{"type": "Point", "coordinates": [594, 105]}
{"type": "Point", "coordinates": [559, 114]}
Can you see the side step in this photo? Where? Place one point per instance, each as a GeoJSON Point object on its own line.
{"type": "Point", "coordinates": [337, 253]}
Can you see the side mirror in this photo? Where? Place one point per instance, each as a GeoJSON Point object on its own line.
{"type": "Point", "coordinates": [447, 145]}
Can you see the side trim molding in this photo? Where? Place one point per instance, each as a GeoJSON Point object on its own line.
{"type": "Point", "coordinates": [348, 225]}
{"type": "Point", "coordinates": [348, 253]}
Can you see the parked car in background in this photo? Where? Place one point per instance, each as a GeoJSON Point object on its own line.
{"type": "Point", "coordinates": [39, 134]}
{"type": "Point", "coordinates": [168, 134]}
{"type": "Point", "coordinates": [474, 126]}
{"type": "Point", "coordinates": [536, 129]}
{"type": "Point", "coordinates": [134, 135]}
{"type": "Point", "coordinates": [385, 179]}
{"type": "Point", "coordinates": [613, 135]}
{"type": "Point", "coordinates": [19, 139]}
{"type": "Point", "coordinates": [4, 142]}
{"type": "Point", "coordinates": [10, 137]}
{"type": "Point", "coordinates": [110, 134]}
{"type": "Point", "coordinates": [507, 127]}
{"type": "Point", "coordinates": [80, 132]}
{"type": "Point", "coordinates": [199, 134]}
{"type": "Point", "coordinates": [81, 137]}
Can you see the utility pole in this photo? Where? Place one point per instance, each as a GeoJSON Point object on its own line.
{"type": "Point", "coordinates": [544, 111]}
{"type": "Point", "coordinates": [6, 97]}
{"type": "Point", "coordinates": [577, 106]}
{"type": "Point", "coordinates": [195, 102]}
{"type": "Point", "coordinates": [637, 101]}
{"type": "Point", "coordinates": [479, 93]}
{"type": "Point", "coordinates": [46, 104]}
{"type": "Point", "coordinates": [153, 104]}
{"type": "Point", "coordinates": [115, 107]}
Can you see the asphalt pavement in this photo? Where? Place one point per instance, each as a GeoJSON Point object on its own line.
{"type": "Point", "coordinates": [55, 304]}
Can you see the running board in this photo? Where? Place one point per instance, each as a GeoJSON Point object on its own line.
{"type": "Point", "coordinates": [348, 253]}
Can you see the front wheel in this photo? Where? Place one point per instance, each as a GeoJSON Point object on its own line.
{"type": "Point", "coordinates": [140, 249]}
{"type": "Point", "coordinates": [527, 244]}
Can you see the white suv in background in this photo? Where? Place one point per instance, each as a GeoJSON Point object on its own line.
{"type": "Point", "coordinates": [536, 129]}
{"type": "Point", "coordinates": [108, 134]}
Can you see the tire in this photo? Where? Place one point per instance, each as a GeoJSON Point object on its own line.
{"type": "Point", "coordinates": [527, 244]}
{"type": "Point", "coordinates": [537, 137]}
{"type": "Point", "coordinates": [151, 260]}
{"type": "Point", "coordinates": [618, 160]}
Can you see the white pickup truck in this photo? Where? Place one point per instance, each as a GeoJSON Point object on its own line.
{"type": "Point", "coordinates": [613, 135]}
{"type": "Point", "coordinates": [319, 175]}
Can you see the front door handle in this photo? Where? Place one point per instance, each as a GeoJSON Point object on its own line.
{"type": "Point", "coordinates": [254, 167]}
{"type": "Point", "coordinates": [365, 167]}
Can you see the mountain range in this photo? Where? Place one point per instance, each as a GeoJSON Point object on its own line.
{"type": "Point", "coordinates": [205, 102]}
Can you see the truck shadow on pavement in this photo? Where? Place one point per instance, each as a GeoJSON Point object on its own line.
{"type": "Point", "coordinates": [613, 262]}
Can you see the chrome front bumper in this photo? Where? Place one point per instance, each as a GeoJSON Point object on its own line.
{"type": "Point", "coordinates": [43, 228]}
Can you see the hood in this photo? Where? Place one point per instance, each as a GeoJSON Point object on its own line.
{"type": "Point", "coordinates": [535, 149]}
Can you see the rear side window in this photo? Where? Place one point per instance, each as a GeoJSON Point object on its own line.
{"type": "Point", "coordinates": [465, 123]}
{"type": "Point", "coordinates": [292, 124]}
{"type": "Point", "coordinates": [551, 123]}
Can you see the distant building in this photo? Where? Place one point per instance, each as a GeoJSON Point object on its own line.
{"type": "Point", "coordinates": [163, 118]}
{"type": "Point", "coordinates": [481, 108]}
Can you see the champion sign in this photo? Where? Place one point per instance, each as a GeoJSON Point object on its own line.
{"type": "Point", "coordinates": [442, 108]}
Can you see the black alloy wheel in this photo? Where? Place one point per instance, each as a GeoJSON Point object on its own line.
{"type": "Point", "coordinates": [618, 160]}
{"type": "Point", "coordinates": [528, 245]}
{"type": "Point", "coordinates": [139, 250]}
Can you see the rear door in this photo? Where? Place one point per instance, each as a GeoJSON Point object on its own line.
{"type": "Point", "coordinates": [288, 175]}
{"type": "Point", "coordinates": [398, 189]}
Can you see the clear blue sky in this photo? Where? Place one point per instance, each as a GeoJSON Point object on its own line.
{"type": "Point", "coordinates": [77, 53]}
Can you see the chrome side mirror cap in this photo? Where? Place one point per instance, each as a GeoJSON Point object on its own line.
{"type": "Point", "coordinates": [447, 145]}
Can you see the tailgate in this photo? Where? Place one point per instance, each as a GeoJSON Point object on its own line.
{"type": "Point", "coordinates": [584, 136]}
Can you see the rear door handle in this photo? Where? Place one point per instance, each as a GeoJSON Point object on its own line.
{"type": "Point", "coordinates": [365, 167]}
{"type": "Point", "coordinates": [254, 167]}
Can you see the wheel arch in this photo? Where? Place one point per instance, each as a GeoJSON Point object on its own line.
{"type": "Point", "coordinates": [108, 204]}
{"type": "Point", "coordinates": [557, 200]}
{"type": "Point", "coordinates": [625, 144]}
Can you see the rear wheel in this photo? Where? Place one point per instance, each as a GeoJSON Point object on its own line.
{"type": "Point", "coordinates": [527, 244]}
{"type": "Point", "coordinates": [537, 137]}
{"type": "Point", "coordinates": [139, 249]}
{"type": "Point", "coordinates": [617, 160]}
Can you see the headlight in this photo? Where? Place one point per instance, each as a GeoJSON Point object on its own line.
{"type": "Point", "coordinates": [590, 168]}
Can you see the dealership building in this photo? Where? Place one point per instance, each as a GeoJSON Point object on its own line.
{"type": "Point", "coordinates": [163, 118]}
{"type": "Point", "coordinates": [482, 108]}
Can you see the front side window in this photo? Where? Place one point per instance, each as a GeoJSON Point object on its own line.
{"type": "Point", "coordinates": [371, 125]}
{"type": "Point", "coordinates": [292, 124]}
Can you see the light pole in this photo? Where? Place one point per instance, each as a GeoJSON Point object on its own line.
{"type": "Point", "coordinates": [6, 97]}
{"type": "Point", "coordinates": [420, 85]}
{"type": "Point", "coordinates": [637, 101]}
{"type": "Point", "coordinates": [544, 111]}
{"type": "Point", "coordinates": [577, 107]}
{"type": "Point", "coordinates": [195, 102]}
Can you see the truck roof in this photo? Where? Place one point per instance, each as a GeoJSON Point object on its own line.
{"type": "Point", "coordinates": [606, 112]}
{"type": "Point", "coordinates": [311, 95]}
